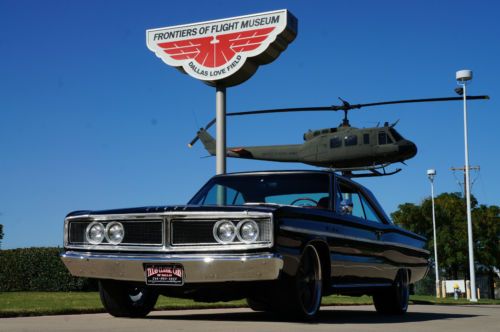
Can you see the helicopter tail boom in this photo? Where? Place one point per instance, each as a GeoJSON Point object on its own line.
{"type": "Point", "coordinates": [285, 153]}
{"type": "Point", "coordinates": [207, 140]}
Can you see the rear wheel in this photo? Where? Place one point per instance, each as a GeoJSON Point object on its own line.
{"type": "Point", "coordinates": [122, 299]}
{"type": "Point", "coordinates": [394, 301]}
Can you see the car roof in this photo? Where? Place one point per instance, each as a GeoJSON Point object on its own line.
{"type": "Point", "coordinates": [270, 172]}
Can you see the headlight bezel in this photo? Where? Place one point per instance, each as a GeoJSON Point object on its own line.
{"type": "Point", "coordinates": [108, 228]}
{"type": "Point", "coordinates": [242, 224]}
{"type": "Point", "coordinates": [90, 227]}
{"type": "Point", "coordinates": [216, 227]}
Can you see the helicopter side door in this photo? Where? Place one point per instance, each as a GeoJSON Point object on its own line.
{"type": "Point", "coordinates": [321, 147]}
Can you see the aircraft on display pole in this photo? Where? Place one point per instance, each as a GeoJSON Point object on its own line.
{"type": "Point", "coordinates": [344, 148]}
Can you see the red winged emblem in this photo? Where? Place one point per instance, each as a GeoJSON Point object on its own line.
{"type": "Point", "coordinates": [215, 51]}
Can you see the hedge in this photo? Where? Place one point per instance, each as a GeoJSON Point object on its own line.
{"type": "Point", "coordinates": [38, 269]}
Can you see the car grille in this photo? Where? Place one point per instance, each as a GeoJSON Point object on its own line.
{"type": "Point", "coordinates": [199, 232]}
{"type": "Point", "coordinates": [145, 232]}
{"type": "Point", "coordinates": [167, 232]}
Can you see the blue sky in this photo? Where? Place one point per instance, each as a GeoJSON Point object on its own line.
{"type": "Point", "coordinates": [91, 119]}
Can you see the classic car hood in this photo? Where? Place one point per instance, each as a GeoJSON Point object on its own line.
{"type": "Point", "coordinates": [178, 208]}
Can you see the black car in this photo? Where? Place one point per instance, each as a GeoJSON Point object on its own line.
{"type": "Point", "coordinates": [281, 239]}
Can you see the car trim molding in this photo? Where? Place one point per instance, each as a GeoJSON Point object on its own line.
{"type": "Point", "coordinates": [352, 238]}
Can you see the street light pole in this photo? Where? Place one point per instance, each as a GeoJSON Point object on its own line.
{"type": "Point", "coordinates": [462, 77]}
{"type": "Point", "coordinates": [431, 173]}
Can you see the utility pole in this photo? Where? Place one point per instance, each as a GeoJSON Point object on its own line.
{"type": "Point", "coordinates": [467, 184]}
{"type": "Point", "coordinates": [462, 169]}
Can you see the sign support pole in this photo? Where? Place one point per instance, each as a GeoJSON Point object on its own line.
{"type": "Point", "coordinates": [220, 146]}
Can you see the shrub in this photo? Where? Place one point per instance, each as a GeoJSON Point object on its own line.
{"type": "Point", "coordinates": [38, 269]}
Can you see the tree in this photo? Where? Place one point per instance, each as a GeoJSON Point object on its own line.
{"type": "Point", "coordinates": [451, 229]}
{"type": "Point", "coordinates": [1, 235]}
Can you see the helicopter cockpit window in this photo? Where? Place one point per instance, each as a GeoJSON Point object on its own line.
{"type": "Point", "coordinates": [335, 142]}
{"type": "Point", "coordinates": [351, 140]}
{"type": "Point", "coordinates": [397, 136]}
{"type": "Point", "coordinates": [383, 138]}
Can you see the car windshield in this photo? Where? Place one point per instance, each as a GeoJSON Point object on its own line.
{"type": "Point", "coordinates": [300, 189]}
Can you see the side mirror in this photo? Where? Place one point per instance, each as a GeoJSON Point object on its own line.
{"type": "Point", "coordinates": [346, 206]}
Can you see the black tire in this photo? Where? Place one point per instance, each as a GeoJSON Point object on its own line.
{"type": "Point", "coordinates": [259, 305]}
{"type": "Point", "coordinates": [394, 301]}
{"type": "Point", "coordinates": [122, 299]}
{"type": "Point", "coordinates": [303, 291]}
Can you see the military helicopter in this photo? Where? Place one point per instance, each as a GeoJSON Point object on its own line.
{"type": "Point", "coordinates": [344, 148]}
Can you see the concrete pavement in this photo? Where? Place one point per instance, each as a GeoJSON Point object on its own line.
{"type": "Point", "coordinates": [474, 318]}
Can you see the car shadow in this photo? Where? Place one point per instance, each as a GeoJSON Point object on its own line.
{"type": "Point", "coordinates": [328, 316]}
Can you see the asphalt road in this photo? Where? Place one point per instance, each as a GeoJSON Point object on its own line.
{"type": "Point", "coordinates": [350, 318]}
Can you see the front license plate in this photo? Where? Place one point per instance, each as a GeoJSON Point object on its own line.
{"type": "Point", "coordinates": [164, 274]}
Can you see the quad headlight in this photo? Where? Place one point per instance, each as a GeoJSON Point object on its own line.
{"type": "Point", "coordinates": [247, 231]}
{"type": "Point", "coordinates": [95, 233]}
{"type": "Point", "coordinates": [226, 232]}
{"type": "Point", "coordinates": [115, 232]}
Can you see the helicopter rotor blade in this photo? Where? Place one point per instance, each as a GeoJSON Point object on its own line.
{"type": "Point", "coordinates": [283, 110]}
{"type": "Point", "coordinates": [346, 106]}
{"type": "Point", "coordinates": [425, 100]}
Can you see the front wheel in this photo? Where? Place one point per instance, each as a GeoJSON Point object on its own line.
{"type": "Point", "coordinates": [122, 299]}
{"type": "Point", "coordinates": [305, 288]}
{"type": "Point", "coordinates": [394, 301]}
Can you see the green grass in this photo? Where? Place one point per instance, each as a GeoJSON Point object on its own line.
{"type": "Point", "coordinates": [48, 303]}
{"type": "Point", "coordinates": [427, 299]}
{"type": "Point", "coordinates": [14, 304]}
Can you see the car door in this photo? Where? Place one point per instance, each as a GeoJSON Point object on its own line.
{"type": "Point", "coordinates": [357, 251]}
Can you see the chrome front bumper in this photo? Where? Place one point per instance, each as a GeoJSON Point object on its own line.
{"type": "Point", "coordinates": [198, 268]}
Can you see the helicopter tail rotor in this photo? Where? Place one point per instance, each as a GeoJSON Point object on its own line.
{"type": "Point", "coordinates": [197, 137]}
{"type": "Point", "coordinates": [207, 140]}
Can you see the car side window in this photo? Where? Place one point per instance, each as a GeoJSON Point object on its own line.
{"type": "Point", "coordinates": [349, 201]}
{"type": "Point", "coordinates": [370, 211]}
{"type": "Point", "coordinates": [357, 206]}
